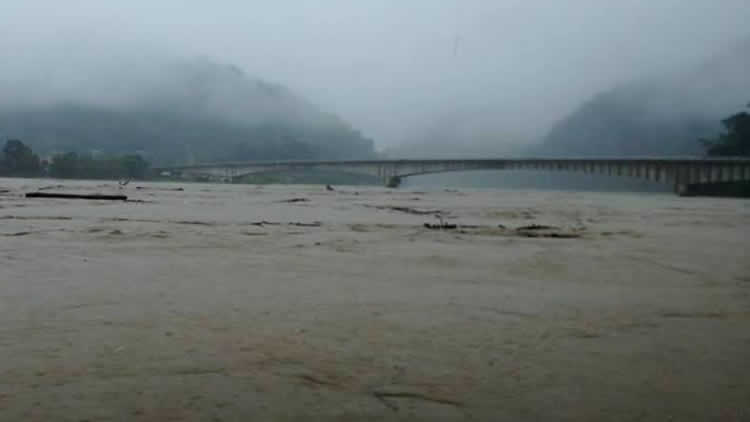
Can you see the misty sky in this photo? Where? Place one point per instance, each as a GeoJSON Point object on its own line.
{"type": "Point", "coordinates": [394, 67]}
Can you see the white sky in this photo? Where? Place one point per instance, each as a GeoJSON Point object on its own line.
{"type": "Point", "coordinates": [391, 67]}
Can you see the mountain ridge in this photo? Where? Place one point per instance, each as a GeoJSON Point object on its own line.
{"type": "Point", "coordinates": [660, 115]}
{"type": "Point", "coordinates": [184, 111]}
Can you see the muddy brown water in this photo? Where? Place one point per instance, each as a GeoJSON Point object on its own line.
{"type": "Point", "coordinates": [231, 303]}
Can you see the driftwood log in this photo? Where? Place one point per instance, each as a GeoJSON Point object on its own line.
{"type": "Point", "coordinates": [76, 196]}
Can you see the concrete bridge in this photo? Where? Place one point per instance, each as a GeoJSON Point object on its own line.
{"type": "Point", "coordinates": [684, 173]}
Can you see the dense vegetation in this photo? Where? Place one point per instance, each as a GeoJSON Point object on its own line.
{"type": "Point", "coordinates": [612, 124]}
{"type": "Point", "coordinates": [735, 141]}
{"type": "Point", "coordinates": [191, 111]}
{"type": "Point", "coordinates": [658, 116]}
{"type": "Point", "coordinates": [736, 138]}
{"type": "Point", "coordinates": [18, 160]}
{"type": "Point", "coordinates": [72, 165]}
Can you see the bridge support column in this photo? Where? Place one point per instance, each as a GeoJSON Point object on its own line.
{"type": "Point", "coordinates": [684, 189]}
{"type": "Point", "coordinates": [393, 182]}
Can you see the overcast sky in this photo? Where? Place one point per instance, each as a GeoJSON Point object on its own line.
{"type": "Point", "coordinates": [391, 67]}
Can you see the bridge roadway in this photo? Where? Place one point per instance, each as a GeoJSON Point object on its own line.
{"type": "Point", "coordinates": [684, 173]}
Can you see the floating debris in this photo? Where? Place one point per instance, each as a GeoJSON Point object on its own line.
{"type": "Point", "coordinates": [294, 200]}
{"type": "Point", "coordinates": [77, 196]}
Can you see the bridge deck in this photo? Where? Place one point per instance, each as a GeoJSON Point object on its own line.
{"type": "Point", "coordinates": [682, 172]}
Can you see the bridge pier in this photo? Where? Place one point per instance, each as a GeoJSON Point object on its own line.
{"type": "Point", "coordinates": [393, 182]}
{"type": "Point", "coordinates": [681, 189]}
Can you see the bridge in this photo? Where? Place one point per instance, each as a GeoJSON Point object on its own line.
{"type": "Point", "coordinates": [683, 173]}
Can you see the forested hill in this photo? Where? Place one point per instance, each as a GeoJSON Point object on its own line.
{"type": "Point", "coordinates": [182, 112]}
{"type": "Point", "coordinates": [664, 115]}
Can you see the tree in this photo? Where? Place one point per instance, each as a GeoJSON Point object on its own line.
{"type": "Point", "coordinates": [64, 165]}
{"type": "Point", "coordinates": [72, 165]}
{"type": "Point", "coordinates": [19, 160]}
{"type": "Point", "coordinates": [736, 139]}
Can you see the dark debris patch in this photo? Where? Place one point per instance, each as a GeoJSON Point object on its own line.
{"type": "Point", "coordinates": [294, 200]}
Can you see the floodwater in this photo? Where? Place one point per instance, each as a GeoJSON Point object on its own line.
{"type": "Point", "coordinates": [238, 302]}
{"type": "Point", "coordinates": [526, 179]}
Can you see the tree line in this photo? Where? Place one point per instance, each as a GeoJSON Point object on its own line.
{"type": "Point", "coordinates": [736, 138]}
{"type": "Point", "coordinates": [19, 160]}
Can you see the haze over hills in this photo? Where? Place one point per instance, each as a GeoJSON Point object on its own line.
{"type": "Point", "coordinates": [176, 111]}
{"type": "Point", "coordinates": [467, 133]}
{"type": "Point", "coordinates": [664, 115]}
{"type": "Point", "coordinates": [661, 114]}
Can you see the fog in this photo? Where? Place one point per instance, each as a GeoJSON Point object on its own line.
{"type": "Point", "coordinates": [395, 70]}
